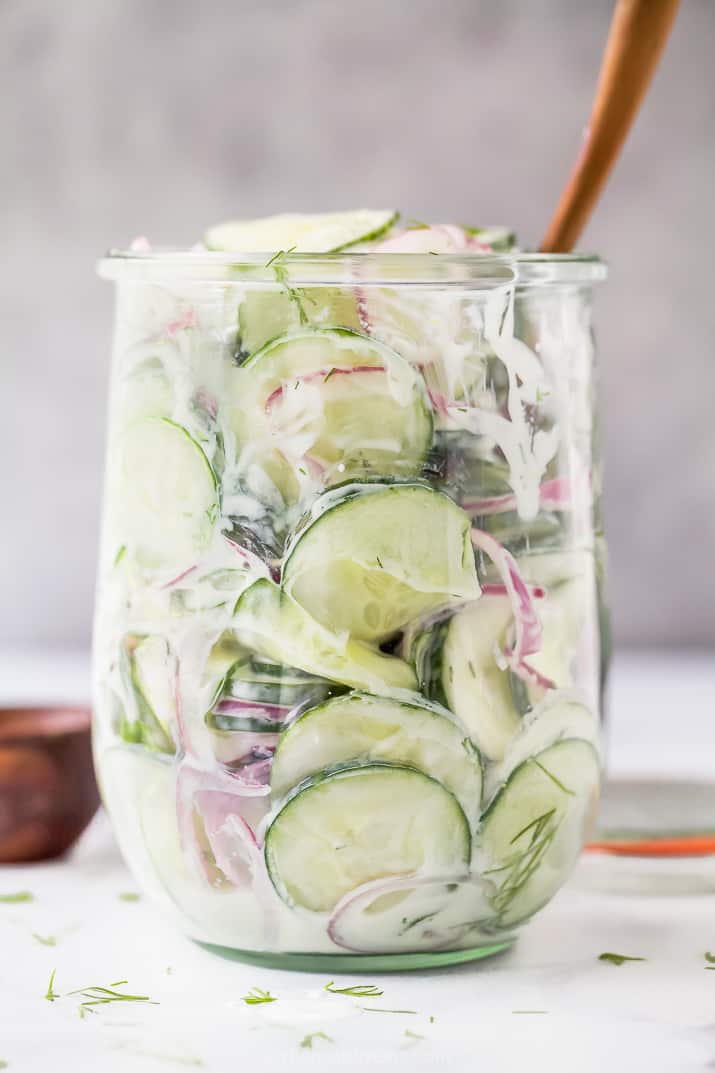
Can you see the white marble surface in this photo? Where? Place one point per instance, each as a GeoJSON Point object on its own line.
{"type": "Point", "coordinates": [656, 1016]}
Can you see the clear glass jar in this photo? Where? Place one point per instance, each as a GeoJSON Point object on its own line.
{"type": "Point", "coordinates": [350, 634]}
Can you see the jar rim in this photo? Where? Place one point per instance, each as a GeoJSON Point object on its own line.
{"type": "Point", "coordinates": [366, 267]}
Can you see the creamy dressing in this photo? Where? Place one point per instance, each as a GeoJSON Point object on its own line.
{"type": "Point", "coordinates": [175, 360]}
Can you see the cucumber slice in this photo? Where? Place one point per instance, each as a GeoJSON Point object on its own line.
{"type": "Point", "coordinates": [534, 828]}
{"type": "Point", "coordinates": [325, 232]}
{"type": "Point", "coordinates": [342, 829]}
{"type": "Point", "coordinates": [274, 625]}
{"type": "Point", "coordinates": [407, 913]}
{"type": "Point", "coordinates": [456, 666]}
{"type": "Point", "coordinates": [139, 793]}
{"type": "Point", "coordinates": [561, 714]}
{"type": "Point", "coordinates": [367, 728]}
{"type": "Point", "coordinates": [501, 239]}
{"type": "Point", "coordinates": [272, 684]}
{"type": "Point", "coordinates": [146, 391]}
{"type": "Point", "coordinates": [330, 402]}
{"type": "Point", "coordinates": [264, 315]}
{"type": "Point", "coordinates": [374, 558]}
{"type": "Point", "coordinates": [169, 495]}
{"type": "Point", "coordinates": [148, 674]}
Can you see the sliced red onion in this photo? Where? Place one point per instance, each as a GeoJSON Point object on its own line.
{"type": "Point", "coordinates": [439, 238]}
{"type": "Point", "coordinates": [187, 320]}
{"type": "Point", "coordinates": [445, 908]}
{"type": "Point", "coordinates": [249, 559]}
{"type": "Point", "coordinates": [179, 577]}
{"type": "Point", "coordinates": [527, 629]}
{"type": "Point", "coordinates": [319, 374]}
{"type": "Point", "coordinates": [211, 797]}
{"type": "Point", "coordinates": [252, 710]}
{"type": "Point", "coordinates": [554, 494]}
{"type": "Point", "coordinates": [493, 588]}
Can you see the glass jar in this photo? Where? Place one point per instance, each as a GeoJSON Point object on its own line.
{"type": "Point", "coordinates": [350, 631]}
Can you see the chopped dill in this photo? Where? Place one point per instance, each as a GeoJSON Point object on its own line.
{"type": "Point", "coordinates": [50, 993]}
{"type": "Point", "coordinates": [16, 898]}
{"type": "Point", "coordinates": [129, 896]}
{"type": "Point", "coordinates": [618, 959]}
{"type": "Point", "coordinates": [45, 940]}
{"type": "Point", "coordinates": [307, 1041]}
{"type": "Point", "coordinates": [256, 996]}
{"type": "Point", "coordinates": [360, 990]}
{"type": "Point", "coordinates": [381, 1009]}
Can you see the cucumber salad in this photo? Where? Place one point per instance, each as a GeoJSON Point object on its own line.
{"type": "Point", "coordinates": [350, 632]}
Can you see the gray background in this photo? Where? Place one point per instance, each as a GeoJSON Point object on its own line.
{"type": "Point", "coordinates": [120, 117]}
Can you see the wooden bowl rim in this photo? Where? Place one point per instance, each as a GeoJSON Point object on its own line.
{"type": "Point", "coordinates": [46, 721]}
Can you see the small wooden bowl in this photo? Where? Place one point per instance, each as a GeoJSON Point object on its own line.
{"type": "Point", "coordinates": [48, 792]}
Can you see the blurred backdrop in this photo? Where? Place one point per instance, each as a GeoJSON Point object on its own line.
{"type": "Point", "coordinates": [121, 117]}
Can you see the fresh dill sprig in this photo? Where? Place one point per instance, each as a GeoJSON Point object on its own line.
{"type": "Point", "coordinates": [307, 1041]}
{"type": "Point", "coordinates": [16, 898]}
{"type": "Point", "coordinates": [46, 940]}
{"type": "Point", "coordinates": [553, 778]}
{"type": "Point", "coordinates": [94, 995]}
{"type": "Point", "coordinates": [521, 865]}
{"type": "Point", "coordinates": [359, 990]}
{"type": "Point", "coordinates": [278, 255]}
{"type": "Point", "coordinates": [413, 1035]}
{"type": "Point", "coordinates": [618, 959]}
{"type": "Point", "coordinates": [381, 1009]}
{"type": "Point", "coordinates": [281, 273]}
{"type": "Point", "coordinates": [50, 993]}
{"type": "Point", "coordinates": [256, 996]}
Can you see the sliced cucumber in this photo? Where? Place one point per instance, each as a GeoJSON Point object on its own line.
{"type": "Point", "coordinates": [456, 666]}
{"type": "Point", "coordinates": [380, 556]}
{"type": "Point", "coordinates": [339, 830]}
{"type": "Point", "coordinates": [501, 239]}
{"type": "Point", "coordinates": [406, 913]}
{"type": "Point", "coordinates": [272, 684]}
{"type": "Point", "coordinates": [367, 728]}
{"type": "Point", "coordinates": [146, 391]}
{"type": "Point", "coordinates": [148, 674]}
{"type": "Point", "coordinates": [533, 830]}
{"type": "Point", "coordinates": [169, 495]}
{"type": "Point", "coordinates": [325, 232]}
{"type": "Point", "coordinates": [139, 792]}
{"type": "Point", "coordinates": [274, 625]}
{"type": "Point", "coordinates": [330, 403]}
{"type": "Point", "coordinates": [264, 315]}
{"type": "Point", "coordinates": [561, 714]}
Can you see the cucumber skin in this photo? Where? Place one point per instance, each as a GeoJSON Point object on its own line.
{"type": "Point", "coordinates": [426, 657]}
{"type": "Point", "coordinates": [406, 674]}
{"type": "Point", "coordinates": [473, 753]}
{"type": "Point", "coordinates": [340, 771]}
{"type": "Point", "coordinates": [496, 801]}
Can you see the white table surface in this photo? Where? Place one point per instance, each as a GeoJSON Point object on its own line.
{"type": "Point", "coordinates": [656, 1016]}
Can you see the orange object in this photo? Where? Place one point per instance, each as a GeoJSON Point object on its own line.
{"type": "Point", "coordinates": [677, 846]}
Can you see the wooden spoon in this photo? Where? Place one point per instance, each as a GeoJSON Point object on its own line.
{"type": "Point", "coordinates": [639, 31]}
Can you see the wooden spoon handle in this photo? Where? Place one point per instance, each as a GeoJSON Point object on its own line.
{"type": "Point", "coordinates": [639, 31]}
